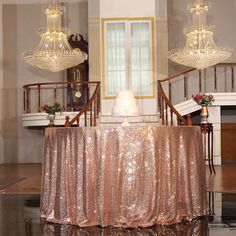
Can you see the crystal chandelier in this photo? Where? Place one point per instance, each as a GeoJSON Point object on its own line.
{"type": "Point", "coordinates": [54, 52]}
{"type": "Point", "coordinates": [200, 50]}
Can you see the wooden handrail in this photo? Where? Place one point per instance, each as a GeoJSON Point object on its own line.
{"type": "Point", "coordinates": [226, 64]}
{"type": "Point", "coordinates": [193, 69]}
{"type": "Point", "coordinates": [85, 109]}
{"type": "Point", "coordinates": [175, 76]}
{"type": "Point", "coordinates": [164, 102]}
{"type": "Point", "coordinates": [28, 86]}
{"type": "Point", "coordinates": [92, 103]}
{"type": "Point", "coordinates": [54, 86]}
{"type": "Point", "coordinates": [165, 105]}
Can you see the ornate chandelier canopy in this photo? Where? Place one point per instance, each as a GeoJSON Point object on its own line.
{"type": "Point", "coordinates": [200, 50]}
{"type": "Point", "coordinates": [54, 52]}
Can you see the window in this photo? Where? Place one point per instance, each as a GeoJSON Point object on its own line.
{"type": "Point", "coordinates": [128, 57]}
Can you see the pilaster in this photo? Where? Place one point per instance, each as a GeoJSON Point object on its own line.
{"type": "Point", "coordinates": [215, 119]}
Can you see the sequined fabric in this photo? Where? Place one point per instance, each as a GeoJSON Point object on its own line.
{"type": "Point", "coordinates": [196, 228]}
{"type": "Point", "coordinates": [124, 176]}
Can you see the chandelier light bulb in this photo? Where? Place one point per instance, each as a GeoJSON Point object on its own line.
{"type": "Point", "coordinates": [54, 52]}
{"type": "Point", "coordinates": [200, 50]}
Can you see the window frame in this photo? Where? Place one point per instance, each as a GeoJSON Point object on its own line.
{"type": "Point", "coordinates": [129, 21]}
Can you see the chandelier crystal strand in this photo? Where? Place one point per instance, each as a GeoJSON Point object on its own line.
{"type": "Point", "coordinates": [54, 52]}
{"type": "Point", "coordinates": [200, 50]}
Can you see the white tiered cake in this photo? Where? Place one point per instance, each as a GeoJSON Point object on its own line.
{"type": "Point", "coordinates": [125, 105]}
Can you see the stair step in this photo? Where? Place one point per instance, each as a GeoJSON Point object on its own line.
{"type": "Point", "coordinates": [40, 118]}
{"type": "Point", "coordinates": [144, 119]}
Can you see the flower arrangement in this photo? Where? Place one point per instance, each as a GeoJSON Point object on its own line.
{"type": "Point", "coordinates": [52, 109]}
{"type": "Point", "coordinates": [203, 99]}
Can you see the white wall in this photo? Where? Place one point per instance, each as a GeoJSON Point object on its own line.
{"type": "Point", "coordinates": [222, 15]}
{"type": "Point", "coordinates": [20, 25]}
{"type": "Point", "coordinates": [77, 17]}
{"type": "Point", "coordinates": [124, 8]}
{"type": "Point", "coordinates": [215, 119]}
{"type": "Point", "coordinates": [94, 9]}
{"type": "Point", "coordinates": [128, 9]}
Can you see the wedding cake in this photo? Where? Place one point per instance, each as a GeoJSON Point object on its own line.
{"type": "Point", "coordinates": [125, 104]}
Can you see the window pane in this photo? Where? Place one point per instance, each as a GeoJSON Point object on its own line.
{"type": "Point", "coordinates": [115, 64]}
{"type": "Point", "coordinates": [131, 39]}
{"type": "Point", "coordinates": [141, 76]}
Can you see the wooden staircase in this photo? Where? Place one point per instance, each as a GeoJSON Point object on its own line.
{"type": "Point", "coordinates": [175, 103]}
{"type": "Point", "coordinates": [35, 95]}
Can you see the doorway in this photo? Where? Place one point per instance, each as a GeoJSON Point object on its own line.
{"type": "Point", "coordinates": [228, 134]}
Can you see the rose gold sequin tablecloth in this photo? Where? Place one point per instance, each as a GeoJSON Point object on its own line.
{"type": "Point", "coordinates": [124, 177]}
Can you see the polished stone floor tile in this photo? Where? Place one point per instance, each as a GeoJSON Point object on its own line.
{"type": "Point", "coordinates": [20, 213]}
{"type": "Point", "coordinates": [20, 216]}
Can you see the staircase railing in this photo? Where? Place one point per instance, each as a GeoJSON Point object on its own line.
{"type": "Point", "coordinates": [83, 97]}
{"type": "Point", "coordinates": [218, 78]}
{"type": "Point", "coordinates": [92, 107]}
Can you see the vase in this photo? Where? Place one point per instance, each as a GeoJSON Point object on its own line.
{"type": "Point", "coordinates": [204, 115]}
{"type": "Point", "coordinates": [51, 118]}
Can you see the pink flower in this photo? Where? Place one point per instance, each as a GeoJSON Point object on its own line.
{"type": "Point", "coordinates": [52, 109]}
{"type": "Point", "coordinates": [203, 99]}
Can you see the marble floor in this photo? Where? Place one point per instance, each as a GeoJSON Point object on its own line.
{"type": "Point", "coordinates": [20, 201]}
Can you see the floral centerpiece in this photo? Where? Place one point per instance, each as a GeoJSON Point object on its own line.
{"type": "Point", "coordinates": [203, 99]}
{"type": "Point", "coordinates": [52, 109]}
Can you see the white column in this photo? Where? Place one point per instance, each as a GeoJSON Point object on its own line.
{"type": "Point", "coordinates": [161, 42]}
{"type": "Point", "coordinates": [94, 39]}
{"type": "Point", "coordinates": [94, 49]}
{"type": "Point", "coordinates": [161, 39]}
{"type": "Point", "coordinates": [215, 119]}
